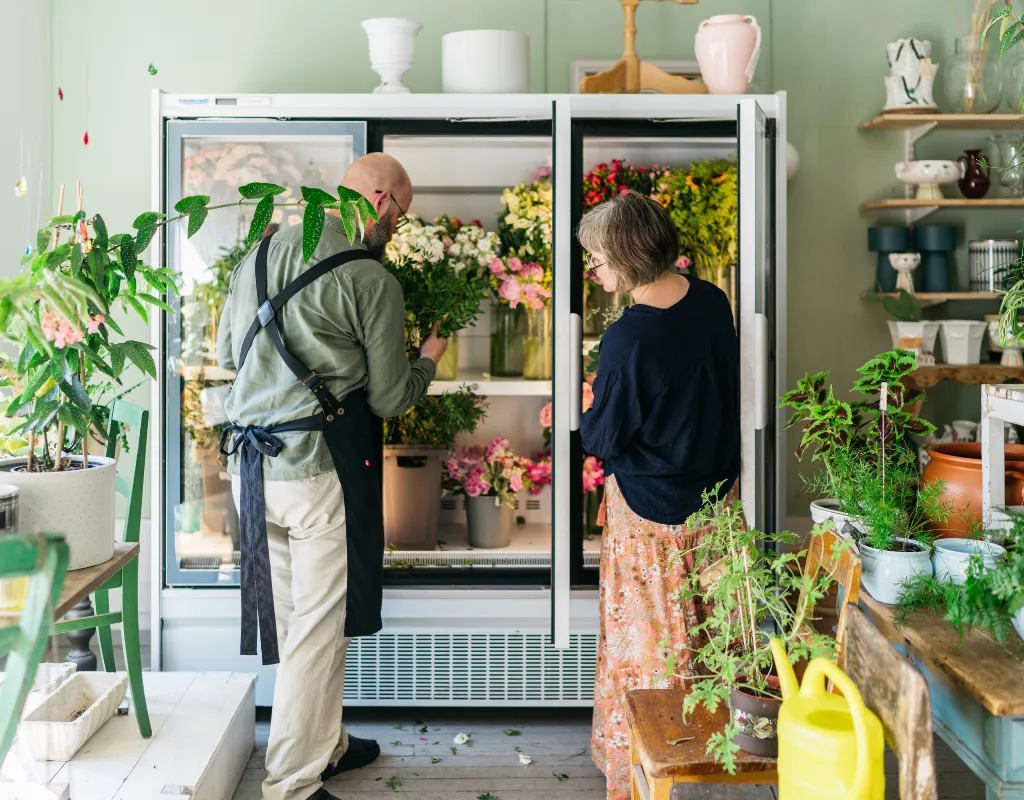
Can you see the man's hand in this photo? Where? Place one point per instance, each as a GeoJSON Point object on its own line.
{"type": "Point", "coordinates": [434, 346]}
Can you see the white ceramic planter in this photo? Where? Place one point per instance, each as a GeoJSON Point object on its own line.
{"type": "Point", "coordinates": [78, 504]}
{"type": "Point", "coordinates": [392, 43]}
{"type": "Point", "coordinates": [485, 62]}
{"type": "Point", "coordinates": [961, 340]}
{"type": "Point", "coordinates": [884, 571]}
{"type": "Point", "coordinates": [927, 332]}
{"type": "Point", "coordinates": [66, 719]}
{"type": "Point", "coordinates": [825, 509]}
{"type": "Point", "coordinates": [1018, 622]}
{"type": "Point", "coordinates": [953, 556]}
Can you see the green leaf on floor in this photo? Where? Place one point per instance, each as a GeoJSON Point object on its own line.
{"type": "Point", "coordinates": [454, 751]}
{"type": "Point", "coordinates": [561, 776]}
{"type": "Point", "coordinates": [512, 732]}
{"type": "Point", "coordinates": [516, 748]}
{"type": "Point", "coordinates": [394, 782]}
{"type": "Point", "coordinates": [436, 760]}
{"type": "Point", "coordinates": [396, 743]}
{"type": "Point", "coordinates": [423, 730]}
{"type": "Point", "coordinates": [487, 796]}
{"type": "Point", "coordinates": [398, 727]}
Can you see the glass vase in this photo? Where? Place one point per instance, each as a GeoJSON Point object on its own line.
{"type": "Point", "coordinates": [448, 366]}
{"type": "Point", "coordinates": [971, 79]}
{"type": "Point", "coordinates": [1013, 80]}
{"type": "Point", "coordinates": [538, 351]}
{"type": "Point", "coordinates": [506, 341]}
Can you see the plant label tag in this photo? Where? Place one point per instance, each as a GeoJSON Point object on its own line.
{"type": "Point", "coordinates": [883, 401]}
{"type": "Point", "coordinates": [913, 343]}
{"type": "Point", "coordinates": [712, 574]}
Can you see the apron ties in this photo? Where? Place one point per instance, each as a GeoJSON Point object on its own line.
{"type": "Point", "coordinates": [360, 488]}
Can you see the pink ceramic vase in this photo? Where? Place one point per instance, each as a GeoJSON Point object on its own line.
{"type": "Point", "coordinates": [727, 48]}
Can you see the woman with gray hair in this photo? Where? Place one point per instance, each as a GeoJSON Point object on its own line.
{"type": "Point", "coordinates": [665, 421]}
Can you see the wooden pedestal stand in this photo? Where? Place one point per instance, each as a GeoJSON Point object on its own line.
{"type": "Point", "coordinates": [632, 75]}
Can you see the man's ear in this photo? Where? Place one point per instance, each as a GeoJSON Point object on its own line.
{"type": "Point", "coordinates": [381, 200]}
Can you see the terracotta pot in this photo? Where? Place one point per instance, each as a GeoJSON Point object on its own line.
{"type": "Point", "coordinates": [959, 466]}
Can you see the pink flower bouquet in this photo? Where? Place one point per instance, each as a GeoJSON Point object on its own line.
{"type": "Point", "coordinates": [491, 471]}
{"type": "Point", "coordinates": [514, 282]}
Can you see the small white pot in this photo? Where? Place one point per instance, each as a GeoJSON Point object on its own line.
{"type": "Point", "coordinates": [953, 556]}
{"type": "Point", "coordinates": [884, 571]}
{"type": "Point", "coordinates": [392, 43]}
{"type": "Point", "coordinates": [78, 504]}
{"type": "Point", "coordinates": [1018, 622]}
{"type": "Point", "coordinates": [485, 62]}
{"type": "Point", "coordinates": [825, 509]}
{"type": "Point", "coordinates": [961, 340]}
{"type": "Point", "coordinates": [64, 721]}
{"type": "Point", "coordinates": [926, 331]}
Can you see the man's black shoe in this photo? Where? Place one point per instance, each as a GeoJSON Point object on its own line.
{"type": "Point", "coordinates": [323, 794]}
{"type": "Point", "coordinates": [360, 753]}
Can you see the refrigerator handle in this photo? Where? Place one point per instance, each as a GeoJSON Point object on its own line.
{"type": "Point", "coordinates": [575, 371]}
{"type": "Point", "coordinates": [761, 393]}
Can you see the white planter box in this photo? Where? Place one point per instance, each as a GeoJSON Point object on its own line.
{"type": "Point", "coordinates": [78, 504]}
{"type": "Point", "coordinates": [48, 678]}
{"type": "Point", "coordinates": [64, 722]}
{"type": "Point", "coordinates": [961, 341]}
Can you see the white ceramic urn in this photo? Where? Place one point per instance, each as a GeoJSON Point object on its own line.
{"type": "Point", "coordinates": [727, 48]}
{"type": "Point", "coordinates": [392, 43]}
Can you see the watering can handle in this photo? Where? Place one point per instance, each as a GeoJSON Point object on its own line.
{"type": "Point", "coordinates": [821, 668]}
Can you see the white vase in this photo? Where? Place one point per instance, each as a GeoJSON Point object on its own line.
{"type": "Point", "coordinates": [392, 42]}
{"type": "Point", "coordinates": [824, 510]}
{"type": "Point", "coordinates": [961, 340]}
{"type": "Point", "coordinates": [77, 503]}
{"type": "Point", "coordinates": [885, 571]}
{"type": "Point", "coordinates": [953, 556]}
{"type": "Point", "coordinates": [485, 62]}
{"type": "Point", "coordinates": [911, 75]}
{"type": "Point", "coordinates": [727, 48]}
{"type": "Point", "coordinates": [926, 331]}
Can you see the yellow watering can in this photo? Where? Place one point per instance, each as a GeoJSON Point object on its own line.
{"type": "Point", "coordinates": [830, 747]}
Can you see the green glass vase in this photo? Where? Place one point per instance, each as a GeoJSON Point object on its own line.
{"type": "Point", "coordinates": [538, 350]}
{"type": "Point", "coordinates": [506, 341]}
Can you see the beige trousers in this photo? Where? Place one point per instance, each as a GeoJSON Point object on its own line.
{"type": "Point", "coordinates": [309, 565]}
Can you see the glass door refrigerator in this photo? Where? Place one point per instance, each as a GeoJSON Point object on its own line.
{"type": "Point", "coordinates": [463, 625]}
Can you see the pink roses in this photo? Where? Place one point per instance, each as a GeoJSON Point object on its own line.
{"type": "Point", "coordinates": [493, 471]}
{"type": "Point", "coordinates": [516, 282]}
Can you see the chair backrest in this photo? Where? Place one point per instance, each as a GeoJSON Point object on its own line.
{"type": "Point", "coordinates": [897, 692]}
{"type": "Point", "coordinates": [843, 565]}
{"type": "Point", "coordinates": [44, 558]}
{"type": "Point", "coordinates": [132, 463]}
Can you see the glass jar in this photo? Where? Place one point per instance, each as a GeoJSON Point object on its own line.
{"type": "Point", "coordinates": [506, 341]}
{"type": "Point", "coordinates": [971, 80]}
{"type": "Point", "coordinates": [1009, 163]}
{"type": "Point", "coordinates": [448, 366]}
{"type": "Point", "coordinates": [538, 350]}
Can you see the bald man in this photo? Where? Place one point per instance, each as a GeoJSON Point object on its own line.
{"type": "Point", "coordinates": [319, 350]}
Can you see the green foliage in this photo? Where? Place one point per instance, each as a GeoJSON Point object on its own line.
{"type": "Point", "coordinates": [904, 307]}
{"type": "Point", "coordinates": [757, 582]}
{"type": "Point", "coordinates": [437, 420]}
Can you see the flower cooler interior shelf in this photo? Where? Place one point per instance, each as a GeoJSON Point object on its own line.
{"type": "Point", "coordinates": [953, 122]}
{"type": "Point", "coordinates": [926, 299]}
{"type": "Point", "coordinates": [481, 383]}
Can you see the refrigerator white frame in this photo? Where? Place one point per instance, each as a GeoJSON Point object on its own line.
{"type": "Point", "coordinates": [572, 611]}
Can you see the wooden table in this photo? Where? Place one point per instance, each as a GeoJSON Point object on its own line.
{"type": "Point", "coordinates": [655, 719]}
{"type": "Point", "coordinates": [80, 583]}
{"type": "Point", "coordinates": [977, 692]}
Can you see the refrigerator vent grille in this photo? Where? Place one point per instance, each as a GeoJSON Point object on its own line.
{"type": "Point", "coordinates": [471, 667]}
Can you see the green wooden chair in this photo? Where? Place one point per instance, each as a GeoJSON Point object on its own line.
{"type": "Point", "coordinates": [130, 479]}
{"type": "Point", "coordinates": [44, 558]}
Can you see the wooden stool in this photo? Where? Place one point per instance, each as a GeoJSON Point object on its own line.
{"type": "Point", "coordinates": [654, 717]}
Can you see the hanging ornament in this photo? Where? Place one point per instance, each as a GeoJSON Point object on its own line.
{"type": "Point", "coordinates": [60, 94]}
{"type": "Point", "coordinates": [152, 70]}
{"type": "Point", "coordinates": [21, 187]}
{"type": "Point", "coordinates": [85, 138]}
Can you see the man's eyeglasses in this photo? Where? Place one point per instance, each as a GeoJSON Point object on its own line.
{"type": "Point", "coordinates": [403, 219]}
{"type": "Point", "coordinates": [592, 267]}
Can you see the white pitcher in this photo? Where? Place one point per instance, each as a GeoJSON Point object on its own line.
{"type": "Point", "coordinates": [727, 48]}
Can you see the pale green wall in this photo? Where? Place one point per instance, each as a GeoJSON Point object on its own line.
{"type": "Point", "coordinates": [829, 55]}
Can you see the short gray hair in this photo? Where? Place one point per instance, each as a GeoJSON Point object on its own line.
{"type": "Point", "coordinates": [635, 234]}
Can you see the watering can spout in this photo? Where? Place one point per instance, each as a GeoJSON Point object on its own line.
{"type": "Point", "coordinates": [787, 678]}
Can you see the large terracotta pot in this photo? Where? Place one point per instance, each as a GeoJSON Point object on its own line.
{"type": "Point", "coordinates": [959, 466]}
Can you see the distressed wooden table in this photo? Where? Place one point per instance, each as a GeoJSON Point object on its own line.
{"type": "Point", "coordinates": [977, 692]}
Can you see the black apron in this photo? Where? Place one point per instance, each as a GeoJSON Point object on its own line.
{"type": "Point", "coordinates": [354, 437]}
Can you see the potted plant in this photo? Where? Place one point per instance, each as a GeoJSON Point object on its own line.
{"type": "Point", "coordinates": [416, 446]}
{"type": "Point", "coordinates": [489, 478]}
{"type": "Point", "coordinates": [907, 329]}
{"type": "Point", "coordinates": [71, 353]}
{"type": "Point", "coordinates": [444, 276]}
{"type": "Point", "coordinates": [742, 581]}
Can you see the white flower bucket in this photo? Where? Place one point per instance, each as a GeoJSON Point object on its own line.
{"type": "Point", "coordinates": [961, 341]}
{"type": "Point", "coordinates": [76, 503]}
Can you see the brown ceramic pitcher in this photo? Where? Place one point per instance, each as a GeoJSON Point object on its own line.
{"type": "Point", "coordinates": [975, 181]}
{"type": "Point", "coordinates": [958, 465]}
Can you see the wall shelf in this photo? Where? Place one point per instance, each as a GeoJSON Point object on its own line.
{"type": "Point", "coordinates": [952, 122]}
{"type": "Point", "coordinates": [926, 299]}
{"type": "Point", "coordinates": [970, 374]}
{"type": "Point", "coordinates": [899, 203]}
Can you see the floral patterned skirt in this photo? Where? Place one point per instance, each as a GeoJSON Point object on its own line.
{"type": "Point", "coordinates": [642, 619]}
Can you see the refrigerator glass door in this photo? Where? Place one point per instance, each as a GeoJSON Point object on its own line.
{"type": "Point", "coordinates": [215, 157]}
{"type": "Point", "coordinates": [757, 304]}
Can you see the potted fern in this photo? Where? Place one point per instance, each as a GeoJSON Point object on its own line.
{"type": "Point", "coordinates": [743, 580]}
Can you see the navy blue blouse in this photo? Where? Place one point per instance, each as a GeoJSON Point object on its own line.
{"type": "Point", "coordinates": [665, 419]}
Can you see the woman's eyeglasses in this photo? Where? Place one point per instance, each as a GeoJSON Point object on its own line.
{"type": "Point", "coordinates": [592, 267]}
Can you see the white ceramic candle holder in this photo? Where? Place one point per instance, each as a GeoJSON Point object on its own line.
{"type": "Point", "coordinates": [392, 43]}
